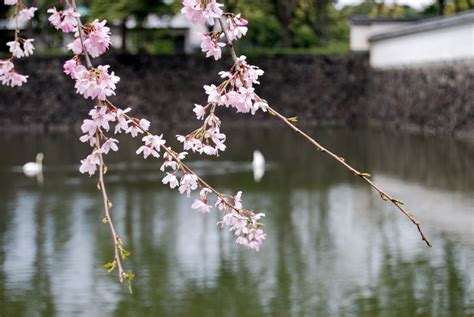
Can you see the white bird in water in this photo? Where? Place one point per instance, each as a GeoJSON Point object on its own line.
{"type": "Point", "coordinates": [32, 169]}
{"type": "Point", "coordinates": [258, 165]}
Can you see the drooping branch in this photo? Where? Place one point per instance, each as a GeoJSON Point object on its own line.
{"type": "Point", "coordinates": [364, 176]}
{"type": "Point", "coordinates": [108, 219]}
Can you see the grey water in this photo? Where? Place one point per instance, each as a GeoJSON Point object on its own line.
{"type": "Point", "coordinates": [334, 248]}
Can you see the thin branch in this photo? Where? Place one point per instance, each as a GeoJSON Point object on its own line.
{"type": "Point", "coordinates": [72, 3]}
{"type": "Point", "coordinates": [365, 176]}
{"type": "Point", "coordinates": [107, 205]}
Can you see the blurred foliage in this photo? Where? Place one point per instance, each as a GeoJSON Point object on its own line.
{"type": "Point", "coordinates": [274, 25]}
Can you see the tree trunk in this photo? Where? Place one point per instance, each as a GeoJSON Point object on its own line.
{"type": "Point", "coordinates": [441, 7]}
{"type": "Point", "coordinates": [284, 12]}
{"type": "Point", "coordinates": [124, 35]}
{"type": "Point", "coordinates": [457, 8]}
{"type": "Point", "coordinates": [321, 18]}
{"type": "Point", "coordinates": [470, 4]}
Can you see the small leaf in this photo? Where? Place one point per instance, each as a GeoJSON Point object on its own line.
{"type": "Point", "coordinates": [105, 220]}
{"type": "Point", "coordinates": [123, 253]}
{"type": "Point", "coordinates": [130, 290]}
{"type": "Point", "coordinates": [109, 267]}
{"type": "Point", "coordinates": [109, 204]}
{"type": "Point", "coordinates": [399, 202]}
{"type": "Point", "coordinates": [292, 119]}
{"type": "Point", "coordinates": [129, 278]}
{"type": "Point", "coordinates": [365, 174]}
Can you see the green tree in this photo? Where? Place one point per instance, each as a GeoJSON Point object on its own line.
{"type": "Point", "coordinates": [284, 11]}
{"type": "Point", "coordinates": [121, 10]}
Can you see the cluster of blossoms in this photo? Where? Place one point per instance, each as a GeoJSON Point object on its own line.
{"type": "Point", "coordinates": [207, 139]}
{"type": "Point", "coordinates": [210, 42]}
{"type": "Point", "coordinates": [236, 26]}
{"type": "Point", "coordinates": [202, 11]}
{"type": "Point", "coordinates": [98, 83]}
{"type": "Point", "coordinates": [95, 83]}
{"type": "Point", "coordinates": [19, 47]}
{"type": "Point", "coordinates": [236, 91]}
{"type": "Point", "coordinates": [244, 223]}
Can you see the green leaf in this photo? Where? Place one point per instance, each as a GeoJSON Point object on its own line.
{"type": "Point", "coordinates": [109, 267]}
{"type": "Point", "coordinates": [123, 253]}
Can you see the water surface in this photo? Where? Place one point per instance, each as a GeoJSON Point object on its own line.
{"type": "Point", "coordinates": [333, 248]}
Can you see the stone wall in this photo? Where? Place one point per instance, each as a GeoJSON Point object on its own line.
{"type": "Point", "coordinates": [437, 99]}
{"type": "Point", "coordinates": [335, 90]}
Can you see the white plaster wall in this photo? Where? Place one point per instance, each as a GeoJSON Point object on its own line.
{"type": "Point", "coordinates": [359, 37]}
{"type": "Point", "coordinates": [360, 34]}
{"type": "Point", "coordinates": [455, 43]}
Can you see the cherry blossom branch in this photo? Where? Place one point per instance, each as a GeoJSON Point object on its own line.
{"type": "Point", "coordinates": [365, 176]}
{"type": "Point", "coordinates": [98, 83]}
{"type": "Point", "coordinates": [241, 78]}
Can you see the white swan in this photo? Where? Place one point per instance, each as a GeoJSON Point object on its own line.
{"type": "Point", "coordinates": [32, 169]}
{"type": "Point", "coordinates": [258, 165]}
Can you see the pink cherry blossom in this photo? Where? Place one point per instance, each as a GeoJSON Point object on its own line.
{"type": "Point", "coordinates": [89, 164]}
{"type": "Point", "coordinates": [213, 11]}
{"type": "Point", "coordinates": [214, 96]}
{"type": "Point", "coordinates": [98, 38]}
{"type": "Point", "coordinates": [5, 67]}
{"type": "Point", "coordinates": [69, 20]}
{"type": "Point", "coordinates": [200, 111]}
{"type": "Point", "coordinates": [10, 2]}
{"type": "Point", "coordinates": [201, 206]}
{"type": "Point", "coordinates": [211, 46]}
{"type": "Point", "coordinates": [171, 180]}
{"type": "Point", "coordinates": [89, 127]}
{"type": "Point", "coordinates": [110, 144]}
{"type": "Point", "coordinates": [65, 21]}
{"type": "Point", "coordinates": [75, 46]}
{"type": "Point", "coordinates": [138, 127]}
{"type": "Point", "coordinates": [26, 14]}
{"type": "Point", "coordinates": [28, 47]}
{"type": "Point", "coordinates": [102, 117]}
{"type": "Point", "coordinates": [197, 14]}
{"type": "Point", "coordinates": [237, 27]}
{"type": "Point", "coordinates": [188, 183]}
{"type": "Point", "coordinates": [152, 145]}
{"type": "Point", "coordinates": [15, 49]}
{"type": "Point", "coordinates": [122, 122]}
{"type": "Point", "coordinates": [13, 79]}
{"type": "Point", "coordinates": [72, 67]}
{"type": "Point", "coordinates": [96, 83]}
{"type": "Point", "coordinates": [88, 138]}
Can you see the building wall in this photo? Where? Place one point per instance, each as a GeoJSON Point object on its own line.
{"type": "Point", "coordinates": [360, 34]}
{"type": "Point", "coordinates": [442, 45]}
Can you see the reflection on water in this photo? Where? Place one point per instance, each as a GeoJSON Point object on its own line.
{"type": "Point", "coordinates": [333, 249]}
